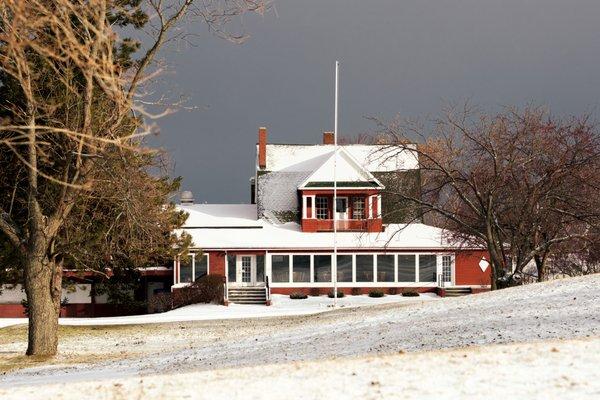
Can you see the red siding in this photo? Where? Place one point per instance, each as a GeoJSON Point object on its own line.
{"type": "Point", "coordinates": [468, 271]}
{"type": "Point", "coordinates": [73, 310]}
{"type": "Point", "coordinates": [348, 291]}
{"type": "Point", "coordinates": [326, 225]}
{"type": "Point", "coordinates": [12, 311]}
{"type": "Point", "coordinates": [217, 262]}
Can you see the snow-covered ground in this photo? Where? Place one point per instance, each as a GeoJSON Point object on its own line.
{"type": "Point", "coordinates": [281, 306]}
{"type": "Point", "coordinates": [538, 341]}
{"type": "Point", "coordinates": [544, 370]}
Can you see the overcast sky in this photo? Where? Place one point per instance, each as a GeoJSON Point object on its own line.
{"type": "Point", "coordinates": [397, 56]}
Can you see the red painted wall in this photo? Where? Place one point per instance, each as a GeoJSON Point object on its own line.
{"type": "Point", "coordinates": [72, 310]}
{"type": "Point", "coordinates": [217, 262]}
{"type": "Point", "coordinates": [467, 268]}
{"type": "Point", "coordinates": [11, 311]}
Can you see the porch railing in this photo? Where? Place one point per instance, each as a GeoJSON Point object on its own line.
{"type": "Point", "coordinates": [267, 289]}
{"type": "Point", "coordinates": [225, 290]}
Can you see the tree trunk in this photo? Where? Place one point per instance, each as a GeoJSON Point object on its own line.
{"type": "Point", "coordinates": [540, 263]}
{"type": "Point", "coordinates": [43, 286]}
{"type": "Point", "coordinates": [494, 276]}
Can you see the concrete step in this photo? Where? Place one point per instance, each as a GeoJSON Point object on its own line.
{"type": "Point", "coordinates": [246, 291]}
{"type": "Point", "coordinates": [247, 295]}
{"type": "Point", "coordinates": [457, 292]}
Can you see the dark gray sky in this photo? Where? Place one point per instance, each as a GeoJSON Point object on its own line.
{"type": "Point", "coordinates": [397, 56]}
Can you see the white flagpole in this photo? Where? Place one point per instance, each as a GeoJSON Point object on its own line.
{"type": "Point", "coordinates": [335, 148]}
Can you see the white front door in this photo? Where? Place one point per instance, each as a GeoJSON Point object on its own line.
{"type": "Point", "coordinates": [246, 270]}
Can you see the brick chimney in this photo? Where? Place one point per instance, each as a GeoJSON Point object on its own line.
{"type": "Point", "coordinates": [262, 147]}
{"type": "Point", "coordinates": [328, 138]}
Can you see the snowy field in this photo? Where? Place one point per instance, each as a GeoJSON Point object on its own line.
{"type": "Point", "coordinates": [539, 341]}
{"type": "Point", "coordinates": [281, 306]}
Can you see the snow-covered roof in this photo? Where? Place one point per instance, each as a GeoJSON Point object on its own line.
{"type": "Point", "coordinates": [347, 170]}
{"type": "Point", "coordinates": [289, 236]}
{"type": "Point", "coordinates": [374, 158]}
{"type": "Point", "coordinates": [220, 215]}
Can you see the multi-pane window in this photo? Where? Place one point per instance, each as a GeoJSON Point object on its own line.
{"type": "Point", "coordinates": [427, 268]}
{"type": "Point", "coordinates": [385, 268]}
{"type": "Point", "coordinates": [364, 268]}
{"type": "Point", "coordinates": [344, 268]}
{"type": "Point", "coordinates": [359, 268]}
{"type": "Point", "coordinates": [301, 268]}
{"type": "Point", "coordinates": [406, 267]}
{"type": "Point", "coordinates": [280, 266]}
{"type": "Point", "coordinates": [322, 207]}
{"type": "Point", "coordinates": [447, 268]}
{"type": "Point", "coordinates": [358, 208]}
{"type": "Point", "coordinates": [246, 269]}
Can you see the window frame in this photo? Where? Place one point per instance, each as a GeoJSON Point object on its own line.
{"type": "Point", "coordinates": [207, 255]}
{"type": "Point", "coordinates": [362, 208]}
{"type": "Point", "coordinates": [319, 208]}
{"type": "Point", "coordinates": [289, 258]}
{"type": "Point", "coordinates": [310, 265]}
{"type": "Point", "coordinates": [435, 277]}
{"type": "Point", "coordinates": [373, 267]}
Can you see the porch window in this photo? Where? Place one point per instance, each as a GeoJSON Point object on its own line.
{"type": "Point", "coordinates": [231, 268]}
{"type": "Point", "coordinates": [322, 207]}
{"type": "Point", "coordinates": [344, 268]}
{"type": "Point", "coordinates": [280, 268]}
{"type": "Point", "coordinates": [301, 268]}
{"type": "Point", "coordinates": [185, 268]}
{"type": "Point", "coordinates": [427, 268]}
{"type": "Point", "coordinates": [358, 208]}
{"type": "Point", "coordinates": [385, 268]}
{"type": "Point", "coordinates": [260, 268]}
{"type": "Point", "coordinates": [322, 268]}
{"type": "Point", "coordinates": [406, 267]}
{"type": "Point", "coordinates": [364, 268]}
{"type": "Point", "coordinates": [201, 267]}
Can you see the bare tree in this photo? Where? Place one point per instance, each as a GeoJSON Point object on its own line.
{"type": "Point", "coordinates": [518, 183]}
{"type": "Point", "coordinates": [76, 103]}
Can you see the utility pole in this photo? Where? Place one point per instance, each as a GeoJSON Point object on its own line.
{"type": "Point", "coordinates": [335, 219]}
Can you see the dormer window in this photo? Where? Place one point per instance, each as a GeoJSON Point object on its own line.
{"type": "Point", "coordinates": [322, 207]}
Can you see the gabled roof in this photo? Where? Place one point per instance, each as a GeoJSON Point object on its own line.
{"type": "Point", "coordinates": [348, 173]}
